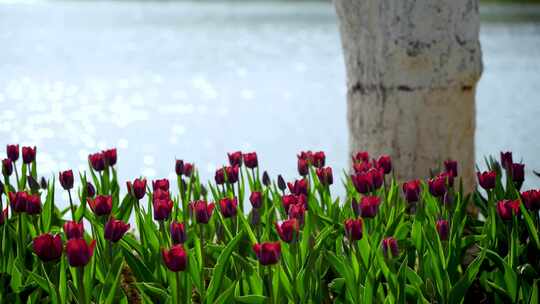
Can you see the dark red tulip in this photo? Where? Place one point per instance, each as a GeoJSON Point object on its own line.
{"type": "Point", "coordinates": [32, 183]}
{"type": "Point", "coordinates": [188, 169]}
{"type": "Point", "coordinates": [7, 166]}
{"type": "Point", "coordinates": [377, 178]}
{"type": "Point", "coordinates": [235, 158]}
{"type": "Point", "coordinates": [100, 205]}
{"type": "Point", "coordinates": [18, 201]}
{"type": "Point", "coordinates": [110, 157]}
{"type": "Point", "coordinates": [48, 247]}
{"type": "Point", "coordinates": [162, 209]}
{"type": "Point", "coordinates": [288, 230]}
{"type": "Point", "coordinates": [437, 186]}
{"type": "Point", "coordinates": [90, 190]}
{"type": "Point", "coordinates": [506, 160]}
{"type": "Point", "coordinates": [3, 216]}
{"type": "Point", "coordinates": [507, 208]}
{"type": "Point", "coordinates": [325, 176]}
{"type": "Point", "coordinates": [232, 174]}
{"type": "Point", "coordinates": [179, 167]}
{"type": "Point", "coordinates": [281, 183]}
{"type": "Point", "coordinates": [451, 167]}
{"type": "Point", "coordinates": [390, 246]}
{"type": "Point", "coordinates": [161, 195]}
{"type": "Point", "coordinates": [97, 161]}
{"type": "Point", "coordinates": [74, 230]}
{"type": "Point", "coordinates": [256, 199]}
{"type": "Point", "coordinates": [518, 174]}
{"type": "Point", "coordinates": [411, 190]}
{"type": "Point", "coordinates": [178, 232]}
{"type": "Point", "coordinates": [138, 188]}
{"type": "Point", "coordinates": [268, 253]}
{"type": "Point", "coordinates": [28, 154]}
{"type": "Point", "coordinates": [355, 205]}
{"type": "Point", "coordinates": [362, 156]}
{"type": "Point", "coordinates": [66, 179]}
{"type": "Point", "coordinates": [385, 163]}
{"type": "Point", "coordinates": [443, 228]}
{"type": "Point", "coordinates": [266, 179]}
{"type": "Point", "coordinates": [369, 206]}
{"type": "Point", "coordinates": [175, 258]}
{"type": "Point", "coordinates": [43, 182]}
{"type": "Point", "coordinates": [448, 177]}
{"type": "Point", "coordinates": [115, 229]}
{"type": "Point", "coordinates": [297, 211]}
{"type": "Point", "coordinates": [202, 210]}
{"type": "Point", "coordinates": [319, 159]}
{"type": "Point", "coordinates": [33, 204]}
{"type": "Point", "coordinates": [487, 179]}
{"type": "Point", "coordinates": [289, 200]}
{"type": "Point", "coordinates": [303, 168]}
{"type": "Point", "coordinates": [12, 152]}
{"type": "Point", "coordinates": [362, 182]}
{"type": "Point", "coordinates": [162, 184]}
{"type": "Point", "coordinates": [531, 199]}
{"type": "Point", "coordinates": [353, 229]}
{"type": "Point", "coordinates": [361, 167]}
{"type": "Point", "coordinates": [228, 207]}
{"type": "Point", "coordinates": [219, 177]}
{"type": "Point", "coordinates": [299, 187]}
{"type": "Point", "coordinates": [79, 252]}
{"type": "Point", "coordinates": [250, 160]}
{"type": "Point", "coordinates": [307, 156]}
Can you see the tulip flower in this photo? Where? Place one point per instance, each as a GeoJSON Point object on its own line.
{"type": "Point", "coordinates": [138, 188]}
{"type": "Point", "coordinates": [162, 209]}
{"type": "Point", "coordinates": [115, 229]}
{"type": "Point", "coordinates": [110, 157]}
{"type": "Point", "coordinates": [161, 195]}
{"type": "Point", "coordinates": [281, 183]}
{"type": "Point", "coordinates": [487, 179]}
{"type": "Point", "coordinates": [307, 156]}
{"type": "Point", "coordinates": [219, 177]}
{"type": "Point", "coordinates": [182, 168]}
{"type": "Point", "coordinates": [28, 154]}
{"type": "Point", "coordinates": [299, 187]}
{"type": "Point", "coordinates": [97, 161]}
{"type": "Point", "coordinates": [178, 232]}
{"type": "Point", "coordinates": [297, 211]}
{"type": "Point", "coordinates": [506, 160]}
{"type": "Point", "coordinates": [319, 159]}
{"type": "Point", "coordinates": [390, 246]}
{"type": "Point", "coordinates": [101, 204]}
{"type": "Point", "coordinates": [437, 186]}
{"type": "Point", "coordinates": [289, 200]}
{"type": "Point", "coordinates": [232, 174]}
{"type": "Point", "coordinates": [531, 199]}
{"type": "Point", "coordinates": [228, 207]}
{"type": "Point", "coordinates": [202, 210]}
{"type": "Point", "coordinates": [79, 252]}
{"type": "Point", "coordinates": [377, 177]}
{"type": "Point", "coordinates": [268, 253]}
{"type": "Point", "coordinates": [362, 182]}
{"type": "Point", "coordinates": [266, 179]}
{"type": "Point", "coordinates": [250, 160]}
{"type": "Point", "coordinates": [33, 204]}
{"type": "Point", "coordinates": [443, 229]}
{"type": "Point", "coordinates": [288, 230]}
{"type": "Point", "coordinates": [411, 190]}
{"type": "Point", "coordinates": [162, 184]}
{"type": "Point", "coordinates": [325, 176]}
{"type": "Point", "coordinates": [175, 258]}
{"type": "Point", "coordinates": [188, 169]}
{"type": "Point", "coordinates": [44, 184]}
{"type": "Point", "coordinates": [369, 206]}
{"type": "Point", "coordinates": [302, 167]}
{"type": "Point", "coordinates": [18, 201]}
{"type": "Point", "coordinates": [66, 179]}
{"type": "Point", "coordinates": [507, 208]}
{"type": "Point", "coordinates": [256, 199]}
{"type": "Point", "coordinates": [7, 167]}
{"type": "Point", "coordinates": [235, 158]}
{"type": "Point", "coordinates": [3, 216]}
{"type": "Point", "coordinates": [361, 167]}
{"type": "Point", "coordinates": [353, 229]}
{"type": "Point", "coordinates": [48, 247]}
{"type": "Point", "coordinates": [385, 163]}
{"type": "Point", "coordinates": [451, 167]}
{"type": "Point", "coordinates": [74, 230]}
{"type": "Point", "coordinates": [362, 156]}
{"type": "Point", "coordinates": [90, 190]}
{"type": "Point", "coordinates": [12, 152]}
{"type": "Point", "coordinates": [518, 174]}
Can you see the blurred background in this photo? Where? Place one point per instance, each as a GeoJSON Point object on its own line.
{"type": "Point", "coordinates": [161, 80]}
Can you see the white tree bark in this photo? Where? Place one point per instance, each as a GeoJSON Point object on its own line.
{"type": "Point", "coordinates": [412, 69]}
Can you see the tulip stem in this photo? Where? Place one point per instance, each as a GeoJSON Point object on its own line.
{"type": "Point", "coordinates": [203, 282]}
{"type": "Point", "coordinates": [16, 176]}
{"type": "Point", "coordinates": [178, 288]}
{"type": "Point", "coordinates": [71, 205]}
{"type": "Point", "coordinates": [268, 279]}
{"type": "Point", "coordinates": [80, 285]}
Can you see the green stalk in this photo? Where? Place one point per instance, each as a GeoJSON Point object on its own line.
{"type": "Point", "coordinates": [268, 281]}
{"type": "Point", "coordinates": [80, 285]}
{"type": "Point", "coordinates": [16, 175]}
{"type": "Point", "coordinates": [71, 206]}
{"type": "Point", "coordinates": [203, 282]}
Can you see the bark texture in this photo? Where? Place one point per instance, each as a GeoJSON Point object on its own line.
{"type": "Point", "coordinates": [412, 69]}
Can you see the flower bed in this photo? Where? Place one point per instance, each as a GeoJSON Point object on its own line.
{"type": "Point", "coordinates": [410, 242]}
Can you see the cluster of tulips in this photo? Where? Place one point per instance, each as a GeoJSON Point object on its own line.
{"type": "Point", "coordinates": [416, 241]}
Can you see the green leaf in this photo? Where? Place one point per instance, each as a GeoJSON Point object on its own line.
{"type": "Point", "coordinates": [250, 299]}
{"type": "Point", "coordinates": [458, 291]}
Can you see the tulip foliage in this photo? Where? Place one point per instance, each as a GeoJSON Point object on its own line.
{"type": "Point", "coordinates": [245, 238]}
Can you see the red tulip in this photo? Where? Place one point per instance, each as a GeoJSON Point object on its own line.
{"type": "Point", "coordinates": [507, 208]}
{"type": "Point", "coordinates": [162, 184]}
{"type": "Point", "coordinates": [487, 179]}
{"type": "Point", "coordinates": [353, 229]}
{"type": "Point", "coordinates": [12, 152]}
{"type": "Point", "coordinates": [518, 174]}
{"type": "Point", "coordinates": [203, 211]}
{"type": "Point", "coordinates": [66, 179]}
{"type": "Point", "coordinates": [390, 246]}
{"type": "Point", "coordinates": [161, 195]}
{"type": "Point", "coordinates": [256, 199]}
{"type": "Point", "coordinates": [178, 232]}
{"type": "Point", "coordinates": [162, 209]}
{"type": "Point", "coordinates": [138, 188]}
{"type": "Point", "coordinates": [115, 229]}
{"type": "Point", "coordinates": [451, 167]}
{"type": "Point", "coordinates": [297, 212]}
{"type": "Point", "coordinates": [110, 157]}
{"type": "Point", "coordinates": [28, 154]}
{"type": "Point", "coordinates": [97, 161]}
{"type": "Point", "coordinates": [385, 163]}
{"type": "Point", "coordinates": [90, 190]}
{"type": "Point", "coordinates": [369, 206]}
{"type": "Point", "coordinates": [101, 204]}
{"type": "Point", "coordinates": [235, 158]}
{"type": "Point", "coordinates": [3, 216]}
{"type": "Point", "coordinates": [437, 186]}
{"type": "Point", "coordinates": [48, 247]}
{"type": "Point", "coordinates": [319, 159]}
{"type": "Point", "coordinates": [33, 204]}
{"type": "Point", "coordinates": [307, 156]}
{"type": "Point", "coordinates": [79, 252]}
{"type": "Point", "coordinates": [377, 177]}
{"type": "Point", "coordinates": [7, 167]}
{"type": "Point", "coordinates": [18, 201]}
{"type": "Point", "coordinates": [74, 230]}
{"type": "Point", "coordinates": [281, 183]}
{"type": "Point", "coordinates": [232, 174]}
{"type": "Point", "coordinates": [299, 187]}
{"type": "Point", "coordinates": [268, 253]}
{"type": "Point", "coordinates": [443, 228]}
{"type": "Point", "coordinates": [411, 190]}
{"type": "Point", "coordinates": [362, 182]}
{"type": "Point", "coordinates": [228, 207]}
{"type": "Point", "coordinates": [250, 159]}
{"type": "Point", "coordinates": [175, 258]}
{"type": "Point", "coordinates": [182, 168]}
{"type": "Point", "coordinates": [361, 167]}
{"type": "Point", "coordinates": [288, 230]}
{"type": "Point", "coordinates": [288, 200]}
{"type": "Point", "coordinates": [362, 156]}
{"type": "Point", "coordinates": [531, 199]}
{"type": "Point", "coordinates": [325, 176]}
{"type": "Point", "coordinates": [266, 179]}
{"type": "Point", "coordinates": [506, 160]}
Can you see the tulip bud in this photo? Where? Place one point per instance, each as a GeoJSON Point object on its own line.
{"type": "Point", "coordinates": [115, 229]}
{"type": "Point", "coordinates": [506, 160]}
{"type": "Point", "coordinates": [179, 167]}
{"type": "Point", "coordinates": [3, 216]}
{"type": "Point", "coordinates": [256, 199]}
{"type": "Point", "coordinates": [268, 253]}
{"type": "Point", "coordinates": [18, 201]}
{"type": "Point", "coordinates": [219, 177]}
{"type": "Point", "coordinates": [44, 184]}
{"type": "Point", "coordinates": [303, 168]}
{"type": "Point", "coordinates": [355, 207]}
{"type": "Point", "coordinates": [369, 206]}
{"type": "Point", "coordinates": [281, 183]}
{"type": "Point", "coordinates": [390, 246]}
{"type": "Point", "coordinates": [162, 209]}
{"type": "Point", "coordinates": [325, 176]}
{"type": "Point", "coordinates": [12, 152]}
{"type": "Point", "coordinates": [451, 167]}
{"type": "Point", "coordinates": [33, 204]}
{"type": "Point", "coordinates": [74, 230]}
{"type": "Point", "coordinates": [48, 247]}
{"type": "Point", "coordinates": [443, 229]}
{"type": "Point", "coordinates": [110, 157]}
{"type": "Point", "coordinates": [288, 230]}
{"type": "Point", "coordinates": [297, 211]}
{"type": "Point", "coordinates": [361, 167]}
{"type": "Point", "coordinates": [507, 208]}
{"type": "Point", "coordinates": [28, 154]}
{"type": "Point", "coordinates": [531, 199]}
{"type": "Point", "coordinates": [162, 184]}
{"type": "Point", "coordinates": [7, 167]}
{"type": "Point", "coordinates": [437, 186]}
{"type": "Point", "coordinates": [518, 174]}
{"type": "Point", "coordinates": [385, 163]}
{"type": "Point", "coordinates": [319, 159]}
{"type": "Point", "coordinates": [175, 258]}
{"type": "Point", "coordinates": [266, 179]}
{"type": "Point", "coordinates": [90, 190]}
{"type": "Point", "coordinates": [100, 205]}
{"type": "Point", "coordinates": [32, 183]}
{"type": "Point", "coordinates": [66, 179]}
{"type": "Point", "coordinates": [79, 252]}
{"type": "Point", "coordinates": [411, 190]}
{"type": "Point", "coordinates": [178, 232]}
{"type": "Point", "coordinates": [251, 161]}
{"type": "Point", "coordinates": [97, 161]}
{"type": "Point", "coordinates": [353, 229]}
{"type": "Point", "coordinates": [487, 179]}
{"type": "Point", "coordinates": [362, 182]}
{"type": "Point", "coordinates": [228, 207]}
{"type": "Point", "coordinates": [299, 187]}
{"type": "Point", "coordinates": [203, 211]}
{"type": "Point", "coordinates": [362, 156]}
{"type": "Point", "coordinates": [235, 158]}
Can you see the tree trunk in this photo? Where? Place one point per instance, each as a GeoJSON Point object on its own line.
{"type": "Point", "coordinates": [412, 68]}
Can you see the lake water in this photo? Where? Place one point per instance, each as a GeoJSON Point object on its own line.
{"type": "Point", "coordinates": [166, 80]}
